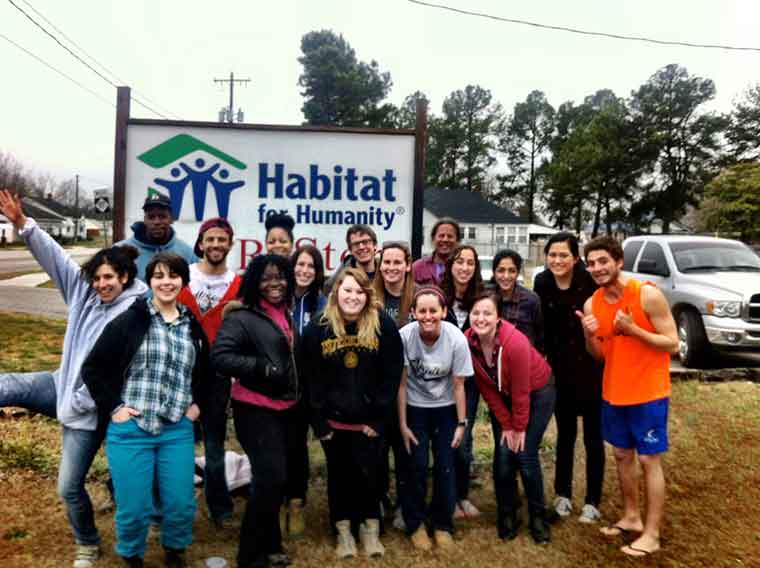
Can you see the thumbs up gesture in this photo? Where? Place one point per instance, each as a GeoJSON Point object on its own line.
{"type": "Point", "coordinates": [623, 322]}
{"type": "Point", "coordinates": [589, 322]}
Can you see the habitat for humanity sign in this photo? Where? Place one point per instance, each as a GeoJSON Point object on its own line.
{"type": "Point", "coordinates": [325, 180]}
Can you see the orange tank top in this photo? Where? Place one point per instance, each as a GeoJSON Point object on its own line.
{"type": "Point", "coordinates": [634, 372]}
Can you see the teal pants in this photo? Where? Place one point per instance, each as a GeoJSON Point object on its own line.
{"type": "Point", "coordinates": [136, 458]}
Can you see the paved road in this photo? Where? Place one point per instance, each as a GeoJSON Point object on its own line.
{"type": "Point", "coordinates": [736, 360]}
{"type": "Point", "coordinates": [39, 301]}
{"type": "Point", "coordinates": [23, 261]}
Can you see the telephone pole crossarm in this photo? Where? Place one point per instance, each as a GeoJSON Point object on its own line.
{"type": "Point", "coordinates": [232, 81]}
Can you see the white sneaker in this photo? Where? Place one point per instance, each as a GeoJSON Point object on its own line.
{"type": "Point", "coordinates": [398, 520]}
{"type": "Point", "coordinates": [468, 508]}
{"type": "Point", "coordinates": [589, 514]}
{"type": "Point", "coordinates": [86, 556]}
{"type": "Point", "coordinates": [563, 506]}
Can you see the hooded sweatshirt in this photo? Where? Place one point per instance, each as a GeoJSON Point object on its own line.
{"type": "Point", "coordinates": [87, 317]}
{"type": "Point", "coordinates": [148, 250]}
{"type": "Point", "coordinates": [520, 370]}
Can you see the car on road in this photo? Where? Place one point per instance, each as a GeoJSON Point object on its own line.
{"type": "Point", "coordinates": [712, 286]}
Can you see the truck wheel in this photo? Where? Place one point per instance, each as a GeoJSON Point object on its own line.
{"type": "Point", "coordinates": [693, 347]}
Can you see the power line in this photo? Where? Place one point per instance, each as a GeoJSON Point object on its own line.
{"type": "Point", "coordinates": [82, 61]}
{"type": "Point", "coordinates": [61, 73]}
{"type": "Point", "coordinates": [95, 61]}
{"type": "Point", "coordinates": [584, 32]}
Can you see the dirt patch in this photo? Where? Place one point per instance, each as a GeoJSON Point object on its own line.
{"type": "Point", "coordinates": [712, 473]}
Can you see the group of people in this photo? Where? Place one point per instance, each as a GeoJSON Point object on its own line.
{"type": "Point", "coordinates": [388, 355]}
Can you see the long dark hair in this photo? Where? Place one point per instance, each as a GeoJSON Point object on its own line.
{"type": "Point", "coordinates": [315, 288]}
{"type": "Point", "coordinates": [473, 286]}
{"type": "Point", "coordinates": [249, 288]}
{"type": "Point", "coordinates": [121, 259]}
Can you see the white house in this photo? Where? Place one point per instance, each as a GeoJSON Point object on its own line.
{"type": "Point", "coordinates": [485, 226]}
{"type": "Point", "coordinates": [51, 217]}
{"type": "Point", "coordinates": [7, 233]}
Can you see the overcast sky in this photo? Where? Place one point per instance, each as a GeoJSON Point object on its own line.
{"type": "Point", "coordinates": [169, 51]}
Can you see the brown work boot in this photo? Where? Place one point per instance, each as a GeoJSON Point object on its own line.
{"type": "Point", "coordinates": [420, 539]}
{"type": "Point", "coordinates": [296, 524]}
{"type": "Point", "coordinates": [443, 539]}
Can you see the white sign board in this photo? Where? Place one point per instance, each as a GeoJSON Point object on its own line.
{"type": "Point", "coordinates": [327, 181]}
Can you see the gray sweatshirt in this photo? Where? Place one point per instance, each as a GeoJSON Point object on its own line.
{"type": "Point", "coordinates": [87, 318]}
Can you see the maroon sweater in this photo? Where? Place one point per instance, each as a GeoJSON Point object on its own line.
{"type": "Point", "coordinates": [521, 369]}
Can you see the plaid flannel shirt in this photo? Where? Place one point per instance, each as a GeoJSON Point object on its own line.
{"type": "Point", "coordinates": [159, 380]}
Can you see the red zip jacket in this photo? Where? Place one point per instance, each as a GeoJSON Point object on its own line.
{"type": "Point", "coordinates": [211, 321]}
{"type": "Point", "coordinates": [520, 370]}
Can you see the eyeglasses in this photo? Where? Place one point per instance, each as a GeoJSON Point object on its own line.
{"type": "Point", "coordinates": [361, 243]}
{"type": "Point", "coordinates": [272, 278]}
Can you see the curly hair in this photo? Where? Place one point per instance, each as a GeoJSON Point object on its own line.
{"type": "Point", "coordinates": [249, 292]}
{"type": "Point", "coordinates": [120, 258]}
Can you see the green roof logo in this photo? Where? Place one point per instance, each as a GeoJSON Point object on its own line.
{"type": "Point", "coordinates": [182, 174]}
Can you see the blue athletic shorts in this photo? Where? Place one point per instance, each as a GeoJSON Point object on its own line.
{"type": "Point", "coordinates": [640, 426]}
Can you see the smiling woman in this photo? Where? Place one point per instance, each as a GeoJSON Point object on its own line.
{"type": "Point", "coordinates": [156, 346]}
{"type": "Point", "coordinates": [351, 359]}
{"type": "Point", "coordinates": [95, 294]}
{"type": "Point", "coordinates": [256, 346]}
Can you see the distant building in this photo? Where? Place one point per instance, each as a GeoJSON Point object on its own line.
{"type": "Point", "coordinates": [485, 225]}
{"type": "Point", "coordinates": [51, 217]}
{"type": "Point", "coordinates": [7, 233]}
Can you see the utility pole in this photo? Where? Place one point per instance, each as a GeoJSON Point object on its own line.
{"type": "Point", "coordinates": [231, 110]}
{"type": "Point", "coordinates": [76, 207]}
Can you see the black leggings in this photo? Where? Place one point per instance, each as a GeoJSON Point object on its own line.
{"type": "Point", "coordinates": [566, 412]}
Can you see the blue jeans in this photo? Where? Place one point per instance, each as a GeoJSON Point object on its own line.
{"type": "Point", "coordinates": [463, 454]}
{"type": "Point", "coordinates": [36, 392]}
{"type": "Point", "coordinates": [136, 459]}
{"type": "Point", "coordinates": [33, 391]}
{"type": "Point", "coordinates": [433, 427]}
{"type": "Point", "coordinates": [507, 463]}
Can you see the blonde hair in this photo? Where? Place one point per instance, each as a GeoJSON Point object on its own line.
{"type": "Point", "coordinates": [407, 290]}
{"type": "Point", "coordinates": [368, 324]}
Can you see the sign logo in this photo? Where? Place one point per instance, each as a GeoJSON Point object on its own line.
{"type": "Point", "coordinates": [172, 152]}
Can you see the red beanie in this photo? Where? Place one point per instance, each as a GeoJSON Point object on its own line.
{"type": "Point", "coordinates": [215, 223]}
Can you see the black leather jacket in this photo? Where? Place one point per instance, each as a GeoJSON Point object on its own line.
{"type": "Point", "coordinates": [252, 348]}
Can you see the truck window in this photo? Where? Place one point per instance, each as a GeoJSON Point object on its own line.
{"type": "Point", "coordinates": [653, 260]}
{"type": "Point", "coordinates": [629, 254]}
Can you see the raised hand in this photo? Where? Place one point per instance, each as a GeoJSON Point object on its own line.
{"type": "Point", "coordinates": [10, 206]}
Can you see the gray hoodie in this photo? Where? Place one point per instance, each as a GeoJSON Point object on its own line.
{"type": "Point", "coordinates": [87, 318]}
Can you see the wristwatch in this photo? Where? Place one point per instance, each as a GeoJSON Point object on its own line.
{"type": "Point", "coordinates": [462, 423]}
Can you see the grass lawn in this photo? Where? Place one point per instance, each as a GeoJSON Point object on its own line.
{"type": "Point", "coordinates": [712, 472]}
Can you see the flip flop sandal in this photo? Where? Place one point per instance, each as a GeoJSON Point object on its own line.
{"type": "Point", "coordinates": [613, 531]}
{"type": "Point", "coordinates": [636, 552]}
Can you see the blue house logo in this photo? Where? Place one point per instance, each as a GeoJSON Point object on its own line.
{"type": "Point", "coordinates": [214, 170]}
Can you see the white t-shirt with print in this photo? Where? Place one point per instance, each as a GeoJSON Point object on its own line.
{"type": "Point", "coordinates": [209, 289]}
{"type": "Point", "coordinates": [431, 368]}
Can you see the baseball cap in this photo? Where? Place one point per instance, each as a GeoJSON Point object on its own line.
{"type": "Point", "coordinates": [156, 199]}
